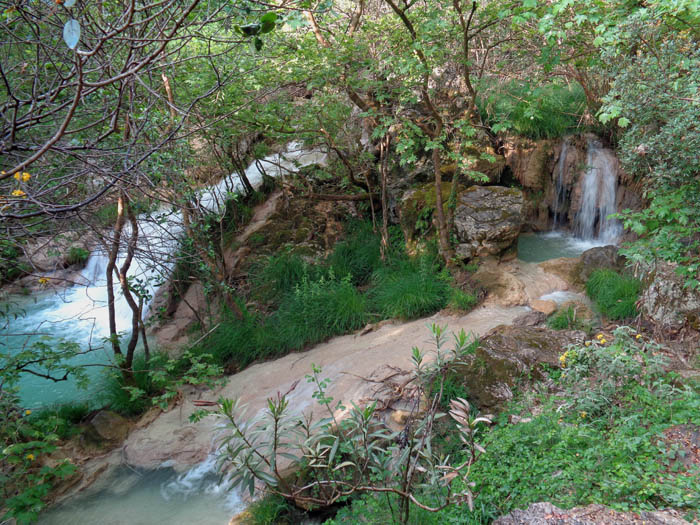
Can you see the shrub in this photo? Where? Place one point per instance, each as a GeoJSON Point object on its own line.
{"type": "Point", "coordinates": [117, 394]}
{"type": "Point", "coordinates": [461, 300]}
{"type": "Point", "coordinates": [271, 510]}
{"type": "Point", "coordinates": [409, 289]}
{"type": "Point", "coordinates": [540, 112]}
{"type": "Point", "coordinates": [614, 295]}
{"type": "Point", "coordinates": [77, 255]}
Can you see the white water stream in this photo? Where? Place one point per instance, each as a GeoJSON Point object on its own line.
{"type": "Point", "coordinates": [79, 313]}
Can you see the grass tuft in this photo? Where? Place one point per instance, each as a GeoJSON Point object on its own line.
{"type": "Point", "coordinates": [614, 295]}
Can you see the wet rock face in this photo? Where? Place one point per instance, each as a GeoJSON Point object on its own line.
{"type": "Point", "coordinates": [509, 354]}
{"type": "Point", "coordinates": [548, 514]}
{"type": "Point", "coordinates": [597, 258]}
{"type": "Point", "coordinates": [488, 220]}
{"type": "Point", "coordinates": [667, 302]}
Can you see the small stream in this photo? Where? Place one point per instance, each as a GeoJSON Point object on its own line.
{"type": "Point", "coordinates": [158, 497]}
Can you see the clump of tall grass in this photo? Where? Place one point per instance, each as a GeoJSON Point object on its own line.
{"type": "Point", "coordinates": [277, 275]}
{"type": "Point", "coordinates": [613, 294]}
{"type": "Point", "coordinates": [409, 288]}
{"type": "Point", "coordinates": [319, 309]}
{"type": "Point", "coordinates": [358, 255]}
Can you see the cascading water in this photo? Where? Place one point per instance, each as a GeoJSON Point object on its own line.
{"type": "Point", "coordinates": [79, 313]}
{"type": "Point", "coordinates": [560, 187]}
{"type": "Point", "coordinates": [598, 197]}
{"type": "Point", "coordinates": [591, 226]}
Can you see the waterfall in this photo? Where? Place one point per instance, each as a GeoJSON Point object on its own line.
{"type": "Point", "coordinates": [160, 233]}
{"type": "Point", "coordinates": [560, 187]}
{"type": "Point", "coordinates": [598, 197]}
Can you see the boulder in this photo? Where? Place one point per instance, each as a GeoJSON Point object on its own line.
{"type": "Point", "coordinates": [548, 514]}
{"type": "Point", "coordinates": [110, 426]}
{"type": "Point", "coordinates": [546, 307]}
{"type": "Point", "coordinates": [667, 302]}
{"type": "Point", "coordinates": [530, 319]}
{"type": "Point", "coordinates": [567, 268]}
{"type": "Point", "coordinates": [508, 354]}
{"type": "Point", "coordinates": [599, 257]}
{"type": "Point", "coordinates": [488, 220]}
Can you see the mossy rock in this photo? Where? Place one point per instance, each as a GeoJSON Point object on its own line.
{"type": "Point", "coordinates": [417, 208]}
{"type": "Point", "coordinates": [508, 356]}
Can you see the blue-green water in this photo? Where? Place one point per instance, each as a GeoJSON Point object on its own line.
{"type": "Point", "coordinates": [538, 247]}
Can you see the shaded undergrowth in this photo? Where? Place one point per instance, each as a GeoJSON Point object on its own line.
{"type": "Point", "coordinates": [310, 300]}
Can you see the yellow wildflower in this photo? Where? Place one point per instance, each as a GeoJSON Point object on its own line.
{"type": "Point", "coordinates": [587, 343]}
{"type": "Point", "coordinates": [583, 414]}
{"type": "Point", "coordinates": [603, 341]}
{"type": "Point", "coordinates": [30, 457]}
{"type": "Point", "coordinates": [638, 336]}
{"type": "Point", "coordinates": [27, 412]}
{"type": "Point", "coordinates": [26, 176]}
{"type": "Point", "coordinates": [562, 360]}
{"type": "Point", "coordinates": [16, 176]}
{"type": "Point", "coordinates": [43, 280]}
{"type": "Point", "coordinates": [18, 193]}
{"type": "Point", "coordinates": [599, 336]}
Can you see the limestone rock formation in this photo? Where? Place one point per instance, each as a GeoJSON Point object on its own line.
{"type": "Point", "coordinates": [667, 302]}
{"type": "Point", "coordinates": [488, 220]}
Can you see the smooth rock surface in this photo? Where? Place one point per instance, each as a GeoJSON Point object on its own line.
{"type": "Point", "coordinates": [110, 425]}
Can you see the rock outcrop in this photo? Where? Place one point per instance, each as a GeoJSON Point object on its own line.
{"type": "Point", "coordinates": [507, 355]}
{"type": "Point", "coordinates": [548, 514]}
{"type": "Point", "coordinates": [667, 302]}
{"type": "Point", "coordinates": [488, 220]}
{"type": "Point", "coordinates": [597, 258]}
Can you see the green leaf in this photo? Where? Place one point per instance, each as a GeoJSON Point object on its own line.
{"type": "Point", "coordinates": [623, 122]}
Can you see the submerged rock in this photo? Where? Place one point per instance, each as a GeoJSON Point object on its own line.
{"type": "Point", "coordinates": [507, 355]}
{"type": "Point", "coordinates": [548, 514]}
{"type": "Point", "coordinates": [488, 220]}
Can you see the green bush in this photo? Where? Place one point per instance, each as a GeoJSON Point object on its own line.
{"type": "Point", "coordinates": [77, 255]}
{"type": "Point", "coordinates": [536, 112]}
{"type": "Point", "coordinates": [614, 294]}
{"type": "Point", "coordinates": [116, 393]}
{"type": "Point", "coordinates": [461, 300]}
{"type": "Point", "coordinates": [599, 440]}
{"type": "Point", "coordinates": [410, 288]}
{"type": "Point", "coordinates": [271, 510]}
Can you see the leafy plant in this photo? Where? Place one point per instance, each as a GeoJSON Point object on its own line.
{"type": "Point", "coordinates": [336, 458]}
{"type": "Point", "coordinates": [26, 479]}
